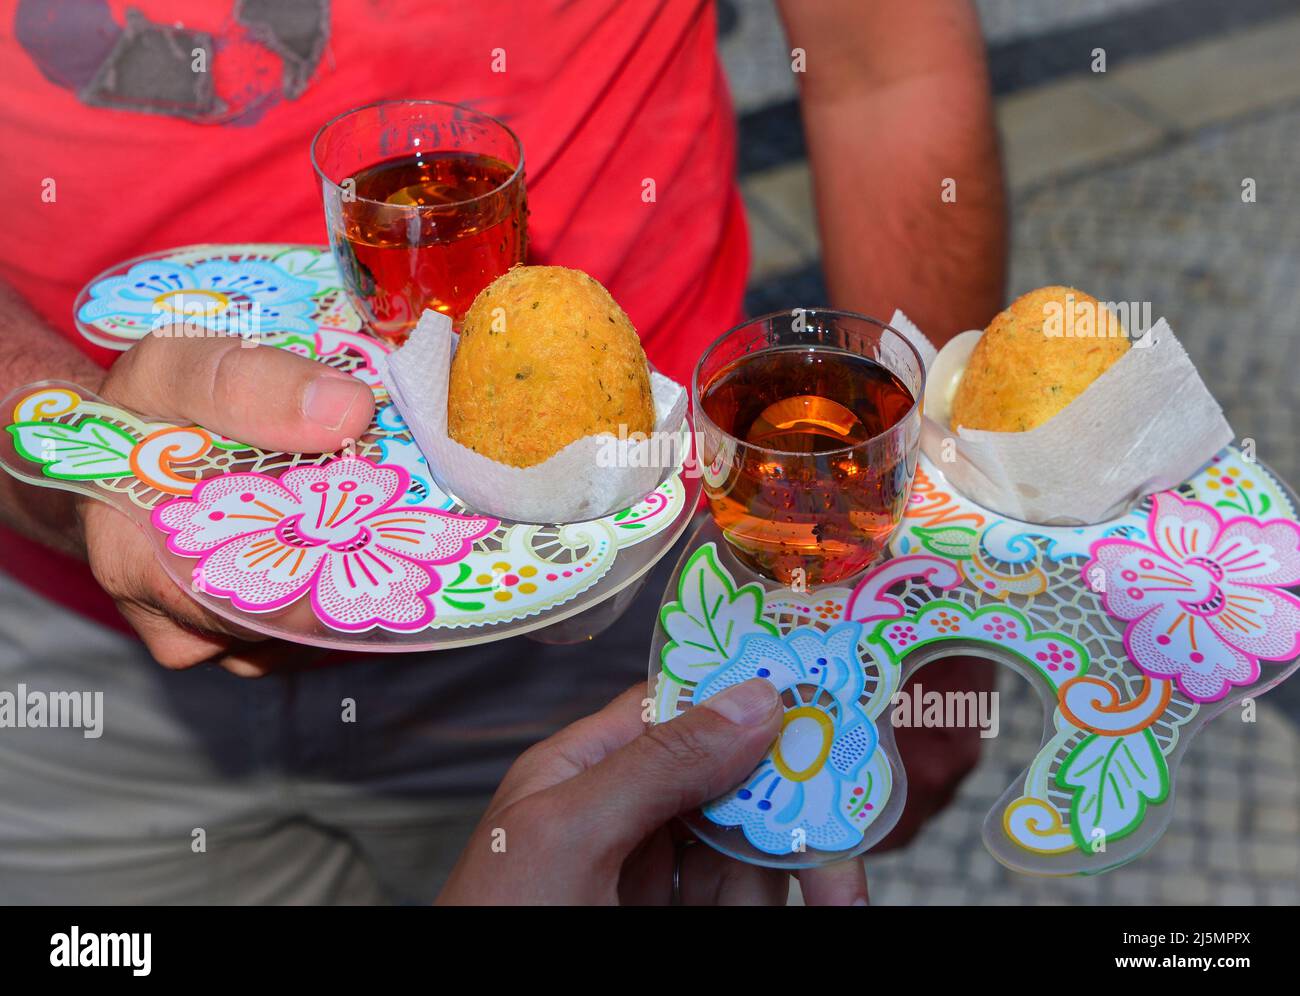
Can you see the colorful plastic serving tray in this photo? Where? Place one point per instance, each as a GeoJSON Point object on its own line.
{"type": "Point", "coordinates": [1136, 633]}
{"type": "Point", "coordinates": [351, 550]}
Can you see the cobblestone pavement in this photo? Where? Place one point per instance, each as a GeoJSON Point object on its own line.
{"type": "Point", "coordinates": [1172, 228]}
{"type": "Point", "coordinates": [1234, 839]}
{"type": "Point", "coordinates": [1145, 205]}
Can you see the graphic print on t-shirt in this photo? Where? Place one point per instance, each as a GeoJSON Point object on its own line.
{"type": "Point", "coordinates": [262, 51]}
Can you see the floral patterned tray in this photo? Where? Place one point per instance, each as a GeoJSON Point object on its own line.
{"type": "Point", "coordinates": [358, 549]}
{"type": "Point", "coordinates": [296, 289]}
{"type": "Point", "coordinates": [1136, 633]}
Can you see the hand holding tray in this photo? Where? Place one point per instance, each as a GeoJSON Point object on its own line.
{"type": "Point", "coordinates": [1136, 633]}
{"type": "Point", "coordinates": [352, 550]}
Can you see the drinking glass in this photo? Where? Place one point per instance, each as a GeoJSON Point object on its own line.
{"type": "Point", "coordinates": [425, 206]}
{"type": "Point", "coordinates": [808, 424]}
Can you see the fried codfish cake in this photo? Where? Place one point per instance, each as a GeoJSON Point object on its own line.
{"type": "Point", "coordinates": [545, 357]}
{"type": "Point", "coordinates": [1025, 368]}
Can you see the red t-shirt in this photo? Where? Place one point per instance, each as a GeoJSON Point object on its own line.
{"type": "Point", "coordinates": [604, 96]}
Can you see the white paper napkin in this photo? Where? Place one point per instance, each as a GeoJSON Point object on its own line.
{"type": "Point", "coordinates": [1145, 425]}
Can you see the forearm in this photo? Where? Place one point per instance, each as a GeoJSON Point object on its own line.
{"type": "Point", "coordinates": [31, 351]}
{"type": "Point", "coordinates": [897, 112]}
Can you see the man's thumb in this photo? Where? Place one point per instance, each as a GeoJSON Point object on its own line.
{"type": "Point", "coordinates": [259, 395]}
{"type": "Point", "coordinates": [674, 767]}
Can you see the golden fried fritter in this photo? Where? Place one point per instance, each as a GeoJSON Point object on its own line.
{"type": "Point", "coordinates": [545, 357]}
{"type": "Point", "coordinates": [1035, 358]}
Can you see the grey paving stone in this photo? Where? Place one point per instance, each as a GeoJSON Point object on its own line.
{"type": "Point", "coordinates": [1218, 778]}
{"type": "Point", "coordinates": [1279, 819]}
{"type": "Point", "coordinates": [988, 782]}
{"type": "Point", "coordinates": [1177, 848]}
{"type": "Point", "coordinates": [782, 221]}
{"type": "Point", "coordinates": [757, 56]}
{"type": "Point", "coordinates": [1282, 894]}
{"type": "Point", "coordinates": [1237, 894]}
{"type": "Point", "coordinates": [982, 870]}
{"type": "Point", "coordinates": [1224, 814]}
{"type": "Point", "coordinates": [1184, 890]}
{"type": "Point", "coordinates": [785, 197]}
{"type": "Point", "coordinates": [771, 250]}
{"type": "Point", "coordinates": [1274, 858]}
{"type": "Point", "coordinates": [1133, 887]}
{"type": "Point", "coordinates": [1219, 79]}
{"type": "Point", "coordinates": [1226, 854]}
{"type": "Point", "coordinates": [1279, 788]}
{"type": "Point", "coordinates": [1270, 745]}
{"type": "Point", "coordinates": [941, 862]}
{"type": "Point", "coordinates": [1067, 127]}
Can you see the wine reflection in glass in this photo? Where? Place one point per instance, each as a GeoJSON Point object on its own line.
{"type": "Point", "coordinates": [809, 423]}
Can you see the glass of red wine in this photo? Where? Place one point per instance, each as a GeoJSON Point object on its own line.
{"type": "Point", "coordinates": [808, 425]}
{"type": "Point", "coordinates": [425, 206]}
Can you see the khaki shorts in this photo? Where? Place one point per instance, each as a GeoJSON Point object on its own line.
{"type": "Point", "coordinates": [207, 788]}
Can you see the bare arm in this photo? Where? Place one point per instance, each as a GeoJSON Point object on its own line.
{"type": "Point", "coordinates": [895, 101]}
{"type": "Point", "coordinates": [30, 351]}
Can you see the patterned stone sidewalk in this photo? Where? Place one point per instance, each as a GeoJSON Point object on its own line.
{"type": "Point", "coordinates": [1234, 838]}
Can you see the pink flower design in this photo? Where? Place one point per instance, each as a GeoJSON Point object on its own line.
{"type": "Point", "coordinates": [331, 529]}
{"type": "Point", "coordinates": [1002, 629]}
{"type": "Point", "coordinates": [1204, 597]}
{"type": "Point", "coordinates": [903, 635]}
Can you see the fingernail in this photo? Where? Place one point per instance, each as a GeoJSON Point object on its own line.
{"type": "Point", "coordinates": [328, 400]}
{"type": "Point", "coordinates": [748, 704]}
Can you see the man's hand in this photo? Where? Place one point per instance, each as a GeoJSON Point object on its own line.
{"type": "Point", "coordinates": [586, 816]}
{"type": "Point", "coordinates": [259, 395]}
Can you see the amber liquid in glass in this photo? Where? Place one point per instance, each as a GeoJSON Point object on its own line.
{"type": "Point", "coordinates": [471, 228]}
{"type": "Point", "coordinates": [811, 500]}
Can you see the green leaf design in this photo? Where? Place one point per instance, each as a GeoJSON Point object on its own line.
{"type": "Point", "coordinates": [307, 344]}
{"type": "Point", "coordinates": [709, 618]}
{"type": "Point", "coordinates": [1113, 779]}
{"type": "Point", "coordinates": [309, 264]}
{"type": "Point", "coordinates": [230, 445]}
{"type": "Point", "coordinates": [93, 450]}
{"type": "Point", "coordinates": [466, 606]}
{"type": "Point", "coordinates": [462, 575]}
{"type": "Point", "coordinates": [956, 542]}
